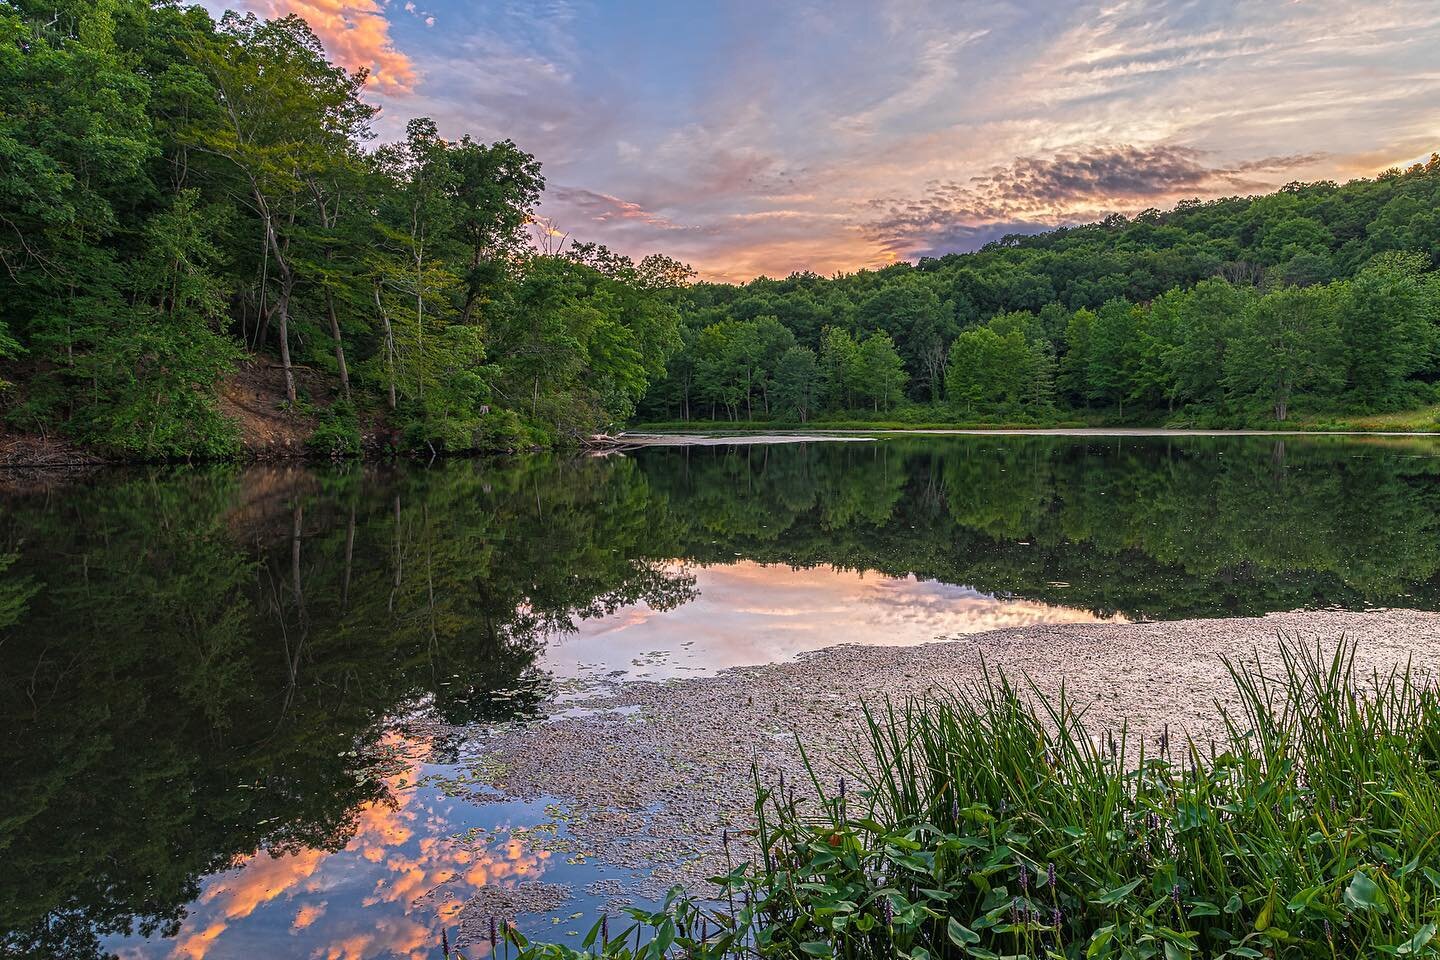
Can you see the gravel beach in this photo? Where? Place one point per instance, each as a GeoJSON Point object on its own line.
{"type": "Point", "coordinates": [656, 771]}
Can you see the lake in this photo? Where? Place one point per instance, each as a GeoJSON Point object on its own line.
{"type": "Point", "coordinates": [217, 681]}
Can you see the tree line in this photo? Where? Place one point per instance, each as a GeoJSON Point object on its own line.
{"type": "Point", "coordinates": [1227, 311]}
{"type": "Point", "coordinates": [182, 199]}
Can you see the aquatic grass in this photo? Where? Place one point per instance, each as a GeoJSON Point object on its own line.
{"type": "Point", "coordinates": [991, 821]}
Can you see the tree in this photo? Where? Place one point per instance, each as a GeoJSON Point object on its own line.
{"type": "Point", "coordinates": [1388, 325]}
{"type": "Point", "coordinates": [797, 383]}
{"type": "Point", "coordinates": [415, 274]}
{"type": "Point", "coordinates": [839, 366]}
{"type": "Point", "coordinates": [975, 373]}
{"type": "Point", "coordinates": [286, 113]}
{"type": "Point", "coordinates": [915, 319]}
{"type": "Point", "coordinates": [879, 375]}
{"type": "Point", "coordinates": [1114, 352]}
{"type": "Point", "coordinates": [1075, 365]}
{"type": "Point", "coordinates": [1204, 321]}
{"type": "Point", "coordinates": [998, 364]}
{"type": "Point", "coordinates": [495, 189]}
{"type": "Point", "coordinates": [1288, 342]}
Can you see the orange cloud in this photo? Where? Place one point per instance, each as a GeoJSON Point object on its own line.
{"type": "Point", "coordinates": [431, 879]}
{"type": "Point", "coordinates": [308, 914]}
{"type": "Point", "coordinates": [356, 34]}
{"type": "Point", "coordinates": [193, 945]}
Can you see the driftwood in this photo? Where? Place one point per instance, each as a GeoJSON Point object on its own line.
{"type": "Point", "coordinates": [600, 444]}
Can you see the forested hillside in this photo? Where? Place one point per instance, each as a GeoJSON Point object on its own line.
{"type": "Point", "coordinates": [1226, 312]}
{"type": "Point", "coordinates": [197, 229]}
{"type": "Point", "coordinates": [203, 248]}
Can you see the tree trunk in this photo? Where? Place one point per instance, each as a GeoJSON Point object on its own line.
{"type": "Point", "coordinates": [283, 308]}
{"type": "Point", "coordinates": [389, 345]}
{"type": "Point", "coordinates": [339, 344]}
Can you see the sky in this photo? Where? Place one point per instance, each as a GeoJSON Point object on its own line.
{"type": "Point", "coordinates": [749, 137]}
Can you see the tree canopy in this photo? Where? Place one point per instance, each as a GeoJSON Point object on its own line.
{"type": "Point", "coordinates": [183, 199]}
{"type": "Point", "coordinates": [1163, 314]}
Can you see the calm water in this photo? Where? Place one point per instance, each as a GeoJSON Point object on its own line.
{"type": "Point", "coordinates": [204, 673]}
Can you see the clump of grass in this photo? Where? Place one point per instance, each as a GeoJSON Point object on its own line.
{"type": "Point", "coordinates": [992, 822]}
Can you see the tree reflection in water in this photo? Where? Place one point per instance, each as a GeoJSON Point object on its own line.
{"type": "Point", "coordinates": [198, 667]}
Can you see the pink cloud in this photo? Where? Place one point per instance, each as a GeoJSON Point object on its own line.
{"type": "Point", "coordinates": [356, 34]}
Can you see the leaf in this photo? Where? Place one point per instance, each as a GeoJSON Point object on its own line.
{"type": "Point", "coordinates": [1364, 893]}
{"type": "Point", "coordinates": [1267, 913]}
{"type": "Point", "coordinates": [817, 948]}
{"type": "Point", "coordinates": [961, 935]}
{"type": "Point", "coordinates": [1100, 940]}
{"type": "Point", "coordinates": [1234, 904]}
{"type": "Point", "coordinates": [1417, 943]}
{"type": "Point", "coordinates": [1112, 897]}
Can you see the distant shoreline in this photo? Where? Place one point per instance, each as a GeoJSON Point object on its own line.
{"type": "Point", "coordinates": [760, 435]}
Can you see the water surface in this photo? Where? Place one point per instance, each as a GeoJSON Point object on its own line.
{"type": "Point", "coordinates": [206, 673]}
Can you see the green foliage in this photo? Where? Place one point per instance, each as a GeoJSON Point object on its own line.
{"type": "Point", "coordinates": [991, 821]}
{"type": "Point", "coordinates": [177, 192]}
{"type": "Point", "coordinates": [336, 434]}
{"type": "Point", "coordinates": [1136, 317]}
{"type": "Point", "coordinates": [1289, 341]}
{"type": "Point", "coordinates": [797, 383]}
{"type": "Point", "coordinates": [1004, 362]}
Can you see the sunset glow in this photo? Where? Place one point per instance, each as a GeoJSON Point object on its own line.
{"type": "Point", "coordinates": [402, 866]}
{"type": "Point", "coordinates": [751, 138]}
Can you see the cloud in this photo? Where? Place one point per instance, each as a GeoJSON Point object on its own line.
{"type": "Point", "coordinates": [356, 34]}
{"type": "Point", "coordinates": [603, 208]}
{"type": "Point", "coordinates": [1121, 174]}
{"type": "Point", "coordinates": [746, 144]}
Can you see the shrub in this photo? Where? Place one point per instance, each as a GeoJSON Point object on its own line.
{"type": "Point", "coordinates": [336, 434]}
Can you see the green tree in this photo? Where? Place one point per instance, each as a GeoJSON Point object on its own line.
{"type": "Point", "coordinates": [879, 372]}
{"type": "Point", "coordinates": [839, 368]}
{"type": "Point", "coordinates": [797, 383]}
{"type": "Point", "coordinates": [1075, 364]}
{"type": "Point", "coordinates": [285, 114]}
{"type": "Point", "coordinates": [1114, 352]}
{"type": "Point", "coordinates": [1388, 326]}
{"type": "Point", "coordinates": [495, 189]}
{"type": "Point", "coordinates": [1289, 342]}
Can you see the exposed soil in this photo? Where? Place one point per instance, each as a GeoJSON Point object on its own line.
{"type": "Point", "coordinates": [254, 398]}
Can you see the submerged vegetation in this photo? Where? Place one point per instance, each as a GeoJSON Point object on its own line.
{"type": "Point", "coordinates": [992, 822]}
